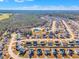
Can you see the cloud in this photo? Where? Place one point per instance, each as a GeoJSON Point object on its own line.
{"type": "Point", "coordinates": [36, 7]}
{"type": "Point", "coordinates": [19, 0]}
{"type": "Point", "coordinates": [22, 0]}
{"type": "Point", "coordinates": [29, 0]}
{"type": "Point", "coordinates": [1, 0]}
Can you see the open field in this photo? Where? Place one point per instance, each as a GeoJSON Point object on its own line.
{"type": "Point", "coordinates": [4, 16]}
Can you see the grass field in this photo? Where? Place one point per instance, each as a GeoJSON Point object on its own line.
{"type": "Point", "coordinates": [4, 16]}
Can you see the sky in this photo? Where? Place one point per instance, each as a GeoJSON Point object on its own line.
{"type": "Point", "coordinates": [39, 4]}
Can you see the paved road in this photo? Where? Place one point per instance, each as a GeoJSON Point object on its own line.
{"type": "Point", "coordinates": [12, 54]}
{"type": "Point", "coordinates": [10, 48]}
{"type": "Point", "coordinates": [74, 22]}
{"type": "Point", "coordinates": [54, 26]}
{"type": "Point", "coordinates": [68, 29]}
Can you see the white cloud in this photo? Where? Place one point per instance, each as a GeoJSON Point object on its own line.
{"type": "Point", "coordinates": [1, 0]}
{"type": "Point", "coordinates": [22, 0]}
{"type": "Point", "coordinates": [36, 7]}
{"type": "Point", "coordinates": [19, 0]}
{"type": "Point", "coordinates": [29, 0]}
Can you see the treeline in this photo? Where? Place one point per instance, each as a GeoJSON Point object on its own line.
{"type": "Point", "coordinates": [22, 22]}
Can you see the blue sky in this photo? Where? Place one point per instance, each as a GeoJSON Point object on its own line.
{"type": "Point", "coordinates": [39, 4]}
